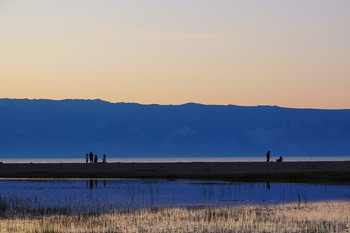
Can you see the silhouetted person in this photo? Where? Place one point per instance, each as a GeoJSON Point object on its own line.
{"type": "Point", "coordinates": [268, 156]}
{"type": "Point", "coordinates": [96, 158]}
{"type": "Point", "coordinates": [268, 186]}
{"type": "Point", "coordinates": [280, 159]}
{"type": "Point", "coordinates": [104, 159]}
{"type": "Point", "coordinates": [91, 157]}
{"type": "Point", "coordinates": [87, 158]}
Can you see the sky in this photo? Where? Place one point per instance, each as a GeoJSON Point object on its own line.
{"type": "Point", "coordinates": [290, 53]}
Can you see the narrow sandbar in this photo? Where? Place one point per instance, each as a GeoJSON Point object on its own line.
{"type": "Point", "coordinates": [249, 171]}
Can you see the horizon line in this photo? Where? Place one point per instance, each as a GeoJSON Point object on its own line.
{"type": "Point", "coordinates": [186, 103]}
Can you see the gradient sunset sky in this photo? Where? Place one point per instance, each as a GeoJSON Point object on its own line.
{"type": "Point", "coordinates": [292, 53]}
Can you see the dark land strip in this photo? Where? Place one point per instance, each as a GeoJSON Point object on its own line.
{"type": "Point", "coordinates": [318, 172]}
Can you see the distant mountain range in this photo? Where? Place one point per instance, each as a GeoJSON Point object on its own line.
{"type": "Point", "coordinates": [72, 128]}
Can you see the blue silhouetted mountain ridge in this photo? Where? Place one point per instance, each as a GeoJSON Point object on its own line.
{"type": "Point", "coordinates": [71, 128]}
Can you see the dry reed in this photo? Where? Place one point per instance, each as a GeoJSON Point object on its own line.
{"type": "Point", "coordinates": [306, 217]}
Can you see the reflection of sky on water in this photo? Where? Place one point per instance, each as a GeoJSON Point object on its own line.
{"type": "Point", "coordinates": [104, 195]}
{"type": "Point", "coordinates": [180, 159]}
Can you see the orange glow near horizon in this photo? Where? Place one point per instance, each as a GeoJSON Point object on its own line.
{"type": "Point", "coordinates": [290, 54]}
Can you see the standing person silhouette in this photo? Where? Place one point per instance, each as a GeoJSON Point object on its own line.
{"type": "Point", "coordinates": [96, 158]}
{"type": "Point", "coordinates": [268, 156]}
{"type": "Point", "coordinates": [104, 159]}
{"type": "Point", "coordinates": [91, 157]}
{"type": "Point", "coordinates": [87, 158]}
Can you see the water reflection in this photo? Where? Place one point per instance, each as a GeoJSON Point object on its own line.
{"type": "Point", "coordinates": [109, 194]}
{"type": "Point", "coordinates": [94, 183]}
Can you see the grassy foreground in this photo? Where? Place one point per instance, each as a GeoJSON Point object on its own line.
{"type": "Point", "coordinates": [296, 217]}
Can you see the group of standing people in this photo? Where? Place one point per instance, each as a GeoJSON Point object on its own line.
{"type": "Point", "coordinates": [280, 159]}
{"type": "Point", "coordinates": [94, 158]}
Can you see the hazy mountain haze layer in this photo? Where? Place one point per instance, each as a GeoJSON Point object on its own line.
{"type": "Point", "coordinates": [71, 128]}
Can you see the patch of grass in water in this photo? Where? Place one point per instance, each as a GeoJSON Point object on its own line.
{"type": "Point", "coordinates": [3, 207]}
{"type": "Point", "coordinates": [309, 217]}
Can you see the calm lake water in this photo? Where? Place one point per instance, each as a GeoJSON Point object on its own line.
{"type": "Point", "coordinates": [84, 196]}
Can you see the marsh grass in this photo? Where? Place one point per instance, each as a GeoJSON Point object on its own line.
{"type": "Point", "coordinates": [306, 217]}
{"type": "Point", "coordinates": [3, 207]}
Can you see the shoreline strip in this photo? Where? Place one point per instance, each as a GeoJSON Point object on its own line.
{"type": "Point", "coordinates": [236, 171]}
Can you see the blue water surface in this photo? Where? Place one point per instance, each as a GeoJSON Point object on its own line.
{"type": "Point", "coordinates": [83, 196]}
